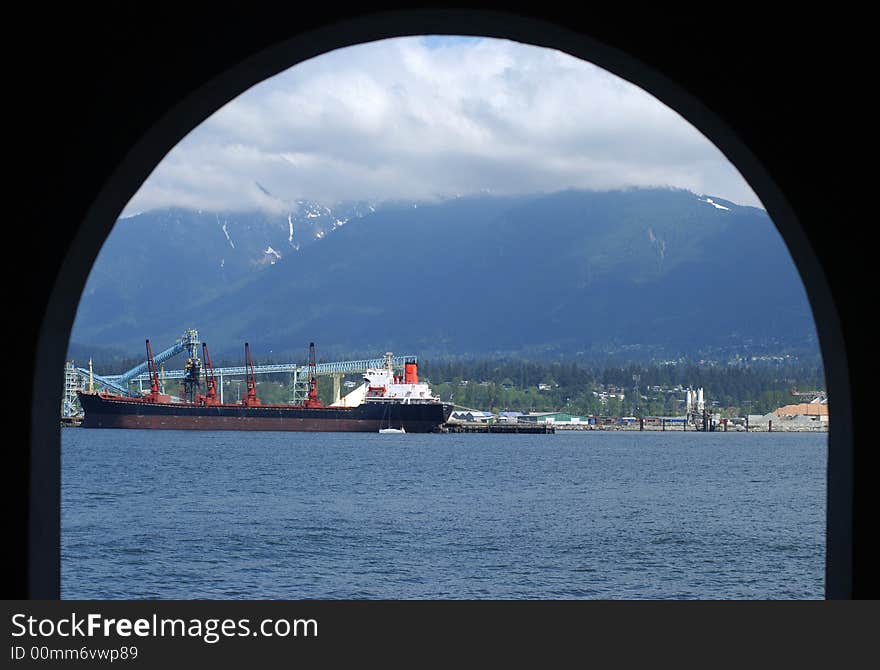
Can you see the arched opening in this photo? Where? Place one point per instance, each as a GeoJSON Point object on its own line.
{"type": "Point", "coordinates": [165, 133]}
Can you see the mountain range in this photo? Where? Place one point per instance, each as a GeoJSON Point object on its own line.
{"type": "Point", "coordinates": [639, 273]}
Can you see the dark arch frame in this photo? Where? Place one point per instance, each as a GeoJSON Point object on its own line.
{"type": "Point", "coordinates": [188, 91]}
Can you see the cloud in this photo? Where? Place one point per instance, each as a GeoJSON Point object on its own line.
{"type": "Point", "coordinates": [424, 118]}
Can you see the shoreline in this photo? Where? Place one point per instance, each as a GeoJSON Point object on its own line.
{"type": "Point", "coordinates": [668, 429]}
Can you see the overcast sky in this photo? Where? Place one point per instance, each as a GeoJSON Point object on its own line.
{"type": "Point", "coordinates": [434, 117]}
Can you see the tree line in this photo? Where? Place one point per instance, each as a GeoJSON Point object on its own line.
{"type": "Point", "coordinates": [516, 385]}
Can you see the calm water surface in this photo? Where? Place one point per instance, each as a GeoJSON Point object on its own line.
{"type": "Point", "coordinates": [576, 515]}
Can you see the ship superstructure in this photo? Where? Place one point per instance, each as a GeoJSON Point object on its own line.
{"type": "Point", "coordinates": [384, 386]}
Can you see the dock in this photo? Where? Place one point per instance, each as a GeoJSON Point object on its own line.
{"type": "Point", "coordinates": [476, 427]}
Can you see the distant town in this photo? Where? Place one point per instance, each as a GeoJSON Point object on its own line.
{"type": "Point", "coordinates": [810, 416]}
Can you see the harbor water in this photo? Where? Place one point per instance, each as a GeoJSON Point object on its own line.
{"type": "Point", "coordinates": [575, 515]}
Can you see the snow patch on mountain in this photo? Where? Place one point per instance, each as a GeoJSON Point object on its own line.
{"type": "Point", "coordinates": [659, 244]}
{"type": "Point", "coordinates": [713, 203]}
{"type": "Point", "coordinates": [271, 256]}
{"type": "Point", "coordinates": [228, 238]}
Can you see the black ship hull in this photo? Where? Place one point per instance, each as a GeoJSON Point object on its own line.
{"type": "Point", "coordinates": [102, 411]}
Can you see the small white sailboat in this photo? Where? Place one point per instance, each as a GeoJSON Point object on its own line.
{"type": "Point", "coordinates": [388, 428]}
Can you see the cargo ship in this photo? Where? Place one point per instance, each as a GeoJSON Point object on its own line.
{"type": "Point", "coordinates": [388, 401]}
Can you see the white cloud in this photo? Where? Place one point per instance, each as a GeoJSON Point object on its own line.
{"type": "Point", "coordinates": [418, 118]}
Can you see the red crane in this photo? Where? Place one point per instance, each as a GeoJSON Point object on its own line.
{"type": "Point", "coordinates": [251, 397]}
{"type": "Point", "coordinates": [312, 399]}
{"type": "Point", "coordinates": [210, 397]}
{"type": "Point", "coordinates": [154, 395]}
{"type": "Point", "coordinates": [151, 368]}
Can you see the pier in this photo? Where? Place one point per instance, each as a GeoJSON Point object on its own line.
{"type": "Point", "coordinates": [476, 427]}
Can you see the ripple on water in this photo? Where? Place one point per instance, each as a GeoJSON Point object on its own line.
{"type": "Point", "coordinates": [160, 514]}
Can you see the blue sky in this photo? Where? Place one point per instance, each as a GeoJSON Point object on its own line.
{"type": "Point", "coordinates": [426, 118]}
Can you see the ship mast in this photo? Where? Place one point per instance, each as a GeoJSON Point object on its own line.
{"type": "Point", "coordinates": [154, 373]}
{"type": "Point", "coordinates": [210, 381]}
{"type": "Point", "coordinates": [251, 398]}
{"type": "Point", "coordinates": [155, 394]}
{"type": "Point", "coordinates": [312, 399]}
